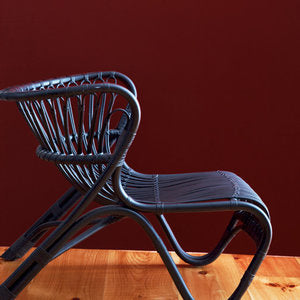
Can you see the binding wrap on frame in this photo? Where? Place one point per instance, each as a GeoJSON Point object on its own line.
{"type": "Point", "coordinates": [78, 159]}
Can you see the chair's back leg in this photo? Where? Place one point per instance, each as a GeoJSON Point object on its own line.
{"type": "Point", "coordinates": [29, 238]}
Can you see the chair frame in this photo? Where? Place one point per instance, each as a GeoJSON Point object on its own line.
{"type": "Point", "coordinates": [251, 217]}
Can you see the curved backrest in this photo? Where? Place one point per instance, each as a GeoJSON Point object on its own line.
{"type": "Point", "coordinates": [83, 123]}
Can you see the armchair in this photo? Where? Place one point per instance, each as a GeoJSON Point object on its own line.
{"type": "Point", "coordinates": [85, 125]}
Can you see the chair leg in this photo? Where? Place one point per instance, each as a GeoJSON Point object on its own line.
{"type": "Point", "coordinates": [28, 239]}
{"type": "Point", "coordinates": [262, 235]}
{"type": "Point", "coordinates": [248, 275]}
{"type": "Point", "coordinates": [148, 228]}
{"type": "Point", "coordinates": [48, 250]}
{"type": "Point", "coordinates": [230, 232]}
{"type": "Point", "coordinates": [40, 257]}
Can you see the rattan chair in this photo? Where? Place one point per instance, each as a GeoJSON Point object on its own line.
{"type": "Point", "coordinates": [85, 125]}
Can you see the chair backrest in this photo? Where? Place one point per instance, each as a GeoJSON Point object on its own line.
{"type": "Point", "coordinates": [83, 123]}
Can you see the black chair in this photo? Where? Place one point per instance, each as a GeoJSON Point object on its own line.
{"type": "Point", "coordinates": [85, 125]}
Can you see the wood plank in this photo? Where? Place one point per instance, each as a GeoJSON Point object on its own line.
{"type": "Point", "coordinates": [114, 274]}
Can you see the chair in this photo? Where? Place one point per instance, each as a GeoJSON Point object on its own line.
{"type": "Point", "coordinates": [85, 125]}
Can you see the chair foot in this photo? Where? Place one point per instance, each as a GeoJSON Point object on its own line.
{"type": "Point", "coordinates": [18, 249]}
{"type": "Point", "coordinates": [5, 293]}
{"type": "Point", "coordinates": [248, 276]}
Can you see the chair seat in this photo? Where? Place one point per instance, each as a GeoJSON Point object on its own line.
{"type": "Point", "coordinates": [185, 188]}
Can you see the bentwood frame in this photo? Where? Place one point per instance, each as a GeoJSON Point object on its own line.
{"type": "Point", "coordinates": [83, 129]}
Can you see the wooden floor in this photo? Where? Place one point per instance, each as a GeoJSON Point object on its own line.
{"type": "Point", "coordinates": [109, 274]}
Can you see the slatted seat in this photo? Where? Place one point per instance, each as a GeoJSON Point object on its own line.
{"type": "Point", "coordinates": [189, 187]}
{"type": "Point", "coordinates": [85, 125]}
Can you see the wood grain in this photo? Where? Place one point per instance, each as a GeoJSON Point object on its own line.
{"type": "Point", "coordinates": [110, 274]}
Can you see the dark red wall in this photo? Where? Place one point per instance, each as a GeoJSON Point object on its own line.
{"type": "Point", "coordinates": [218, 83]}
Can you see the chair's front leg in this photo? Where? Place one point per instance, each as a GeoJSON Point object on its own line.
{"type": "Point", "coordinates": [33, 234]}
{"type": "Point", "coordinates": [262, 234]}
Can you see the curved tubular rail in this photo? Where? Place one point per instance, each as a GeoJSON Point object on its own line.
{"type": "Point", "coordinates": [41, 228]}
{"type": "Point", "coordinates": [99, 224]}
{"type": "Point", "coordinates": [61, 81]}
{"type": "Point", "coordinates": [64, 92]}
{"type": "Point", "coordinates": [205, 259]}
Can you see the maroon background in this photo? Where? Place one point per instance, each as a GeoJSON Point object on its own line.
{"type": "Point", "coordinates": [218, 83]}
